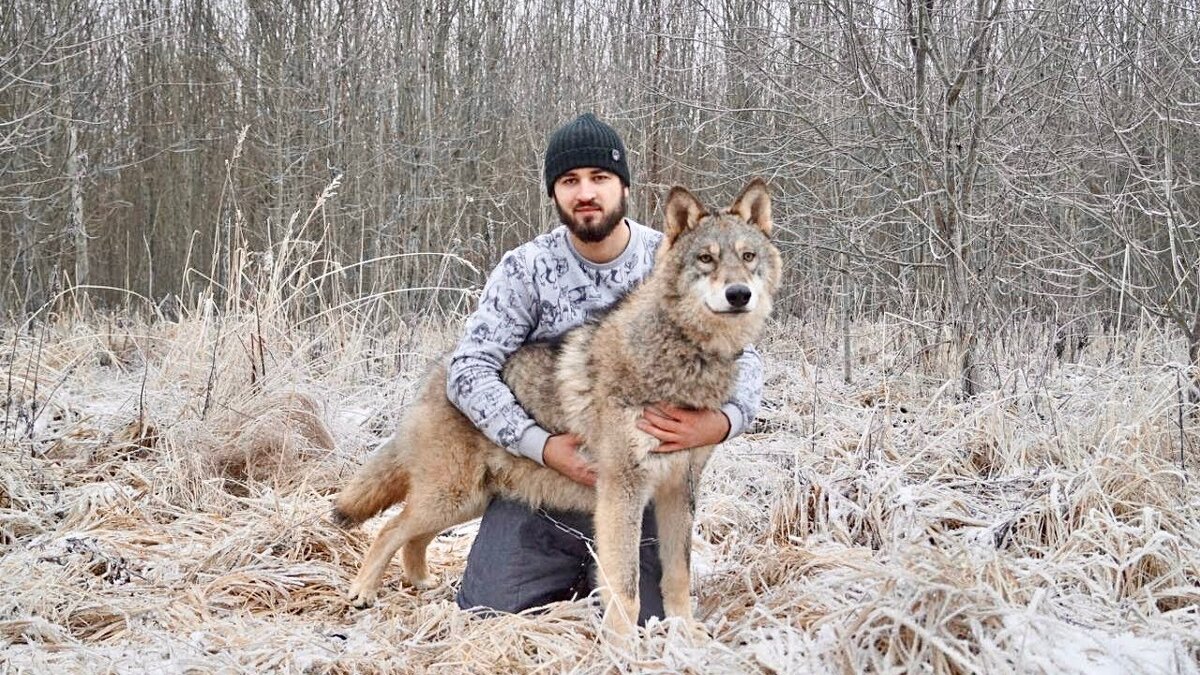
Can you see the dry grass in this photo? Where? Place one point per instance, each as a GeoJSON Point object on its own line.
{"type": "Point", "coordinates": [164, 487]}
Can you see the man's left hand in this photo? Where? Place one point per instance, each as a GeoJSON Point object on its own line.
{"type": "Point", "coordinates": [682, 428]}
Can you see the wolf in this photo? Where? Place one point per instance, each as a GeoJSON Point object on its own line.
{"type": "Point", "coordinates": [674, 338]}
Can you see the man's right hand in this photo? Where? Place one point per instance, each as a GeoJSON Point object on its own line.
{"type": "Point", "coordinates": [561, 453]}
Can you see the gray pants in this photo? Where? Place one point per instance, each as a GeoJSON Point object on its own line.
{"type": "Point", "coordinates": [523, 558]}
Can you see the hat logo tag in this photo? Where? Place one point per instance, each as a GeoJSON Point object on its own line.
{"type": "Point", "coordinates": [616, 155]}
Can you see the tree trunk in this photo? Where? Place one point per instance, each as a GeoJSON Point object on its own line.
{"type": "Point", "coordinates": [846, 302]}
{"type": "Point", "coordinates": [1194, 362]}
{"type": "Point", "coordinates": [75, 224]}
{"type": "Point", "coordinates": [28, 283]}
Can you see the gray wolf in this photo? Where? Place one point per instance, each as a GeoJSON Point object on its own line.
{"type": "Point", "coordinates": [675, 338]}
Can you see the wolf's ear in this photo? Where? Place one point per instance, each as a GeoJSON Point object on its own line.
{"type": "Point", "coordinates": [683, 212]}
{"type": "Point", "coordinates": [754, 205]}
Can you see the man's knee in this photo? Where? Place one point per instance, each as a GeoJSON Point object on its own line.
{"type": "Point", "coordinates": [520, 560]}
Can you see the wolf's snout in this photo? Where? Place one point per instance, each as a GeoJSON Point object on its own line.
{"type": "Point", "coordinates": [738, 295]}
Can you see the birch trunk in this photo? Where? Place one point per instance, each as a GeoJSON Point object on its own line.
{"type": "Point", "coordinates": [75, 224]}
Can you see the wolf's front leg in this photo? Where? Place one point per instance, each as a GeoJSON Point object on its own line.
{"type": "Point", "coordinates": [675, 513]}
{"type": "Point", "coordinates": [620, 499]}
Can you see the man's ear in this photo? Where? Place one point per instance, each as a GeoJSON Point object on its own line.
{"type": "Point", "coordinates": [754, 205]}
{"type": "Point", "coordinates": [683, 212]}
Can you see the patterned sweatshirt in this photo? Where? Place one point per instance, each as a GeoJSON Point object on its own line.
{"type": "Point", "coordinates": [539, 291]}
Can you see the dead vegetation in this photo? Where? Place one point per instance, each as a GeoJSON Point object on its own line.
{"type": "Point", "coordinates": [164, 489]}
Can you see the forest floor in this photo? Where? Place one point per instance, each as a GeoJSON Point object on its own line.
{"type": "Point", "coordinates": [164, 491]}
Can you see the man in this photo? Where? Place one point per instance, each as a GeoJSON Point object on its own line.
{"type": "Point", "coordinates": [523, 558]}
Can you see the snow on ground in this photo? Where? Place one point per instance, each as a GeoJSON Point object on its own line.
{"type": "Point", "coordinates": [163, 493]}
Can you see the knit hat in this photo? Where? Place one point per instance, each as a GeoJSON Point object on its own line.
{"type": "Point", "coordinates": [584, 141]}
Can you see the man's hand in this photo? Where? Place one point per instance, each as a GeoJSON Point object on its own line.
{"type": "Point", "coordinates": [682, 428]}
{"type": "Point", "coordinates": [561, 453]}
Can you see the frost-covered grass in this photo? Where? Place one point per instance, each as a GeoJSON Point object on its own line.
{"type": "Point", "coordinates": [164, 489]}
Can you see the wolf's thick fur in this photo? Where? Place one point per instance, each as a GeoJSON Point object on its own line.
{"type": "Point", "coordinates": [676, 338]}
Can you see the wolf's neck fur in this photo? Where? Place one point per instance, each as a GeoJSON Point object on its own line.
{"type": "Point", "coordinates": [712, 337]}
{"type": "Point", "coordinates": [672, 358]}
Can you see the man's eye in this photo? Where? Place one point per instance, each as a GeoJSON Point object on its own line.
{"type": "Point", "coordinates": [705, 258]}
{"type": "Point", "coordinates": [748, 256]}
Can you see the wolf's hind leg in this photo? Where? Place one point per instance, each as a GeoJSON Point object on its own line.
{"type": "Point", "coordinates": [413, 528]}
{"type": "Point", "coordinates": [413, 558]}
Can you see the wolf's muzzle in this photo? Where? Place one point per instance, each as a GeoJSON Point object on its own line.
{"type": "Point", "coordinates": [738, 295]}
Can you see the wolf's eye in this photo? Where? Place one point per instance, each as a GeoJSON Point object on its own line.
{"type": "Point", "coordinates": [705, 258]}
{"type": "Point", "coordinates": [748, 256]}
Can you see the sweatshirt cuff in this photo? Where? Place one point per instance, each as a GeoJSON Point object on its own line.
{"type": "Point", "coordinates": [532, 443]}
{"type": "Point", "coordinates": [737, 424]}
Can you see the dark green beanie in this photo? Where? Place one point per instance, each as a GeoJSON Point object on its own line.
{"type": "Point", "coordinates": [584, 142]}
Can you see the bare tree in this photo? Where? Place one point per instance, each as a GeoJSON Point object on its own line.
{"type": "Point", "coordinates": [958, 163]}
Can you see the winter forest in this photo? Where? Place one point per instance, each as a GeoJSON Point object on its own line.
{"type": "Point", "coordinates": [240, 231]}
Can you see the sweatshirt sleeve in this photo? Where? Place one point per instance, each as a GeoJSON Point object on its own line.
{"type": "Point", "coordinates": [506, 316]}
{"type": "Point", "coordinates": [747, 393]}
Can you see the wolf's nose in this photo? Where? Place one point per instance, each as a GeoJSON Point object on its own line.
{"type": "Point", "coordinates": [738, 295]}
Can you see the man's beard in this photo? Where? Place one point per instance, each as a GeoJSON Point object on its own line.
{"type": "Point", "coordinates": [600, 226]}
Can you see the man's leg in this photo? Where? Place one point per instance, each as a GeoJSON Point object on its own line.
{"type": "Point", "coordinates": [522, 559]}
{"type": "Point", "coordinates": [650, 579]}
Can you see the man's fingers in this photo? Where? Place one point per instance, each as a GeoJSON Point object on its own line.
{"type": "Point", "coordinates": [656, 412]}
{"type": "Point", "coordinates": [660, 420]}
{"type": "Point", "coordinates": [561, 453]}
{"type": "Point", "coordinates": [671, 412]}
{"type": "Point", "coordinates": [586, 471]}
{"type": "Point", "coordinates": [587, 476]}
{"type": "Point", "coordinates": [659, 432]}
{"type": "Point", "coordinates": [583, 473]}
{"type": "Point", "coordinates": [661, 411]}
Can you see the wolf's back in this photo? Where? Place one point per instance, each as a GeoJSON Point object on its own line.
{"type": "Point", "coordinates": [531, 374]}
{"type": "Point", "coordinates": [432, 425]}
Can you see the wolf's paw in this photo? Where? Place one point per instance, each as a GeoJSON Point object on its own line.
{"type": "Point", "coordinates": [617, 624]}
{"type": "Point", "coordinates": [360, 596]}
{"type": "Point", "coordinates": [694, 631]}
{"type": "Point", "coordinates": [683, 627]}
{"type": "Point", "coordinates": [423, 583]}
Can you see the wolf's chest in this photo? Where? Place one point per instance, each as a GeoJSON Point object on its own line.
{"type": "Point", "coordinates": [690, 381]}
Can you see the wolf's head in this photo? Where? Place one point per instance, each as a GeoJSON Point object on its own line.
{"type": "Point", "coordinates": [723, 268]}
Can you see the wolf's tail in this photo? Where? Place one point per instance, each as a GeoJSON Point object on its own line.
{"type": "Point", "coordinates": [381, 482]}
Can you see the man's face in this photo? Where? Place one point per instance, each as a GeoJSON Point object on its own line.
{"type": "Point", "coordinates": [591, 202]}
